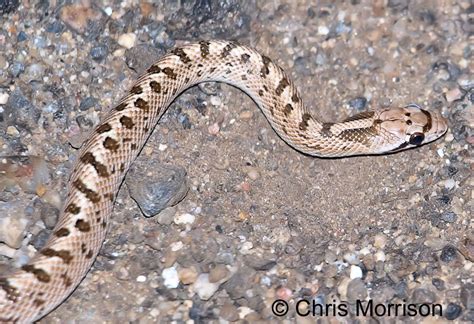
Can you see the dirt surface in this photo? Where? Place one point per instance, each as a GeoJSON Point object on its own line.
{"type": "Point", "coordinates": [260, 222]}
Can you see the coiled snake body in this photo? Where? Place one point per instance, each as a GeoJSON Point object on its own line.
{"type": "Point", "coordinates": [55, 271]}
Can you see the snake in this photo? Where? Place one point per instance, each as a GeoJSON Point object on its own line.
{"type": "Point", "coordinates": [32, 291]}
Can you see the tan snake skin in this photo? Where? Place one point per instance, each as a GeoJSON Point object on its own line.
{"type": "Point", "coordinates": [56, 270]}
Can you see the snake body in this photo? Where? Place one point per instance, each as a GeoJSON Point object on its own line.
{"type": "Point", "coordinates": [57, 269]}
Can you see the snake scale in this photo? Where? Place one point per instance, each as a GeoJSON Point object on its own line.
{"type": "Point", "coordinates": [57, 269]}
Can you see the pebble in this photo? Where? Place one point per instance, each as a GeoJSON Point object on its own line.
{"type": "Point", "coordinates": [218, 273]}
{"type": "Point", "coordinates": [170, 277]}
{"type": "Point", "coordinates": [229, 312]}
{"type": "Point", "coordinates": [213, 129]}
{"type": "Point", "coordinates": [423, 296]}
{"type": "Point", "coordinates": [323, 30]}
{"type": "Point", "coordinates": [453, 94]}
{"type": "Point", "coordinates": [166, 216]}
{"type": "Point", "coordinates": [188, 275]}
{"type": "Point", "coordinates": [154, 191]}
{"type": "Point", "coordinates": [448, 254]}
{"type": "Point", "coordinates": [252, 173]}
{"type": "Point", "coordinates": [4, 98]}
{"type": "Point", "coordinates": [184, 219]}
{"type": "Point", "coordinates": [356, 272]}
{"type": "Point", "coordinates": [342, 288]}
{"type": "Point", "coordinates": [380, 240]}
{"type": "Point", "coordinates": [99, 53]}
{"type": "Point", "coordinates": [204, 288]}
{"type": "Point", "coordinates": [284, 293]}
{"type": "Point", "coordinates": [449, 184]}
{"type": "Point", "coordinates": [127, 40]}
{"type": "Point", "coordinates": [35, 72]}
{"type": "Point", "coordinates": [453, 311]}
{"type": "Point", "coordinates": [12, 227]}
{"type": "Point", "coordinates": [246, 115]}
{"type": "Point", "coordinates": [380, 256]}
{"type": "Point", "coordinates": [358, 103]}
{"type": "Point", "coordinates": [88, 103]}
{"type": "Point", "coordinates": [12, 131]}
{"type": "Point", "coordinates": [449, 217]}
{"type": "Point", "coordinates": [351, 258]}
{"type": "Point", "coordinates": [141, 278]}
{"type": "Point", "coordinates": [356, 290]}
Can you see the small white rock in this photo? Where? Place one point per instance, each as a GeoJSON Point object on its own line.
{"type": "Point", "coordinates": [449, 184]}
{"type": "Point", "coordinates": [215, 101]}
{"type": "Point", "coordinates": [356, 272]}
{"type": "Point", "coordinates": [141, 278]}
{"type": "Point", "coordinates": [380, 256]}
{"type": "Point", "coordinates": [440, 152]}
{"type": "Point", "coordinates": [323, 30]}
{"type": "Point", "coordinates": [176, 246]}
{"type": "Point", "coordinates": [4, 98]}
{"type": "Point", "coordinates": [127, 40]}
{"type": "Point", "coordinates": [170, 278]}
{"type": "Point", "coordinates": [184, 219]}
{"type": "Point", "coordinates": [204, 288]}
{"type": "Point", "coordinates": [162, 147]}
{"type": "Point", "coordinates": [11, 130]}
{"type": "Point", "coordinates": [108, 11]}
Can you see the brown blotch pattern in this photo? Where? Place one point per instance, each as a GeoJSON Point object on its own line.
{"type": "Point", "coordinates": [169, 72]}
{"type": "Point", "coordinates": [63, 254]}
{"type": "Point", "coordinates": [62, 232]}
{"type": "Point", "coordinates": [121, 107]}
{"type": "Point", "coordinates": [40, 274]}
{"type": "Point", "coordinates": [66, 280]}
{"type": "Point", "coordinates": [282, 85]}
{"type": "Point", "coordinates": [155, 86]}
{"type": "Point", "coordinates": [89, 158]}
{"type": "Point", "coordinates": [429, 121]}
{"type": "Point", "coordinates": [288, 109]}
{"type": "Point", "coordinates": [295, 98]}
{"type": "Point", "coordinates": [136, 90]}
{"type": "Point", "coordinates": [103, 128]}
{"type": "Point", "coordinates": [127, 122]}
{"type": "Point", "coordinates": [245, 58]}
{"type": "Point", "coordinates": [10, 291]}
{"type": "Point", "coordinates": [182, 55]}
{"type": "Point", "coordinates": [38, 302]}
{"type": "Point", "coordinates": [154, 69]}
{"type": "Point", "coordinates": [111, 144]}
{"type": "Point", "coordinates": [228, 48]}
{"type": "Point", "coordinates": [133, 146]}
{"type": "Point", "coordinates": [89, 254]}
{"type": "Point", "coordinates": [83, 248]}
{"type": "Point", "coordinates": [83, 225]}
{"type": "Point", "coordinates": [211, 70]}
{"type": "Point", "coordinates": [142, 104]}
{"type": "Point", "coordinates": [260, 92]}
{"type": "Point", "coordinates": [265, 70]}
{"type": "Point", "coordinates": [304, 121]}
{"type": "Point", "coordinates": [204, 48]}
{"type": "Point", "coordinates": [326, 129]}
{"type": "Point", "coordinates": [73, 209]}
{"type": "Point", "coordinates": [90, 194]}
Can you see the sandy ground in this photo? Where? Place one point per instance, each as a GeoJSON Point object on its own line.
{"type": "Point", "coordinates": [260, 222]}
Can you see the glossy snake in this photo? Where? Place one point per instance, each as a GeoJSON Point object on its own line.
{"type": "Point", "coordinates": [57, 269]}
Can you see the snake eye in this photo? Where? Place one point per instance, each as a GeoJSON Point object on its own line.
{"type": "Point", "coordinates": [417, 138]}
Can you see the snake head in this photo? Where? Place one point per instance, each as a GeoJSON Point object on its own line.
{"type": "Point", "coordinates": [412, 126]}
